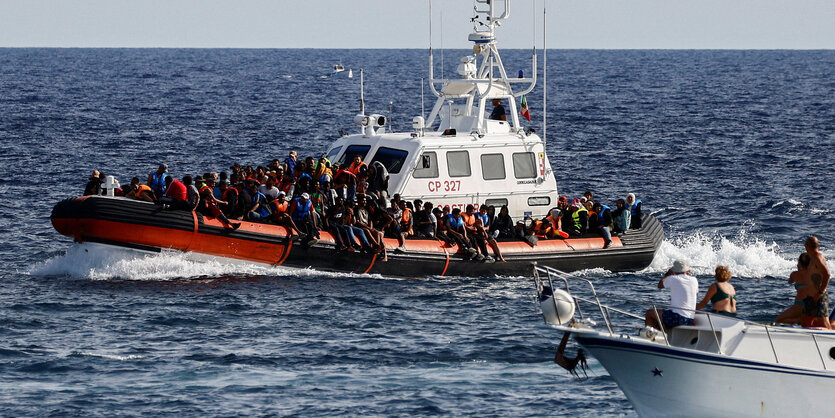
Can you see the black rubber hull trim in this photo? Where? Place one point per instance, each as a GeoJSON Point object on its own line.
{"type": "Point", "coordinates": [637, 252]}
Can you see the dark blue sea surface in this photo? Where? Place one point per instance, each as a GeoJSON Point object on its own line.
{"type": "Point", "coordinates": [732, 150]}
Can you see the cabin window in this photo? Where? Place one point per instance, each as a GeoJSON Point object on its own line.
{"type": "Point", "coordinates": [427, 166]}
{"type": "Point", "coordinates": [458, 163]}
{"type": "Point", "coordinates": [524, 165]}
{"type": "Point", "coordinates": [351, 151]}
{"type": "Point", "coordinates": [539, 201]}
{"type": "Point", "coordinates": [333, 153]}
{"type": "Point", "coordinates": [497, 203]}
{"type": "Point", "coordinates": [391, 158]}
{"type": "Point", "coordinates": [492, 166]}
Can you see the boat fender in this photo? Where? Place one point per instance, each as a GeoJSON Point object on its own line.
{"type": "Point", "coordinates": [557, 308]}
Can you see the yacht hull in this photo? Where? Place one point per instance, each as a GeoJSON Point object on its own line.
{"type": "Point", "coordinates": [145, 226]}
{"type": "Point", "coordinates": [669, 381]}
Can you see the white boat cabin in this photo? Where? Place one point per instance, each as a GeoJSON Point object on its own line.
{"type": "Point", "coordinates": [458, 155]}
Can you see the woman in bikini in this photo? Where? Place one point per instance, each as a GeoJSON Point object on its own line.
{"type": "Point", "coordinates": [721, 294]}
{"type": "Point", "coordinates": [800, 280]}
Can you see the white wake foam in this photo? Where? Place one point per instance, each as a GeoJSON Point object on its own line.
{"type": "Point", "coordinates": [744, 255]}
{"type": "Point", "coordinates": [108, 356]}
{"type": "Point", "coordinates": [101, 262]}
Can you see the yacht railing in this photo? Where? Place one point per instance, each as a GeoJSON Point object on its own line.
{"type": "Point", "coordinates": [544, 275]}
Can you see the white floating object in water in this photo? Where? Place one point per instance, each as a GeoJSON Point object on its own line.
{"type": "Point", "coordinates": [350, 73]}
{"type": "Point", "coordinates": [560, 312]}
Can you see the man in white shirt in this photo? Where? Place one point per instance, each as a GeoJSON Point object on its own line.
{"type": "Point", "coordinates": [269, 189]}
{"type": "Point", "coordinates": [684, 290]}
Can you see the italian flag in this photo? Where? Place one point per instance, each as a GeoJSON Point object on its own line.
{"type": "Point", "coordinates": [524, 111]}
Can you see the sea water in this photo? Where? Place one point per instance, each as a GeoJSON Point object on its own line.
{"type": "Point", "coordinates": [731, 151]}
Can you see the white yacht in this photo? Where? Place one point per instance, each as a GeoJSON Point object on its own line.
{"type": "Point", "coordinates": [719, 366]}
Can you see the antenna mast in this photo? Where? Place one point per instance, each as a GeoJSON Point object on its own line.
{"type": "Point", "coordinates": [544, 72]}
{"type": "Point", "coordinates": [362, 93]}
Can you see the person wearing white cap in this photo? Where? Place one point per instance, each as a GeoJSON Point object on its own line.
{"type": "Point", "coordinates": [300, 212]}
{"type": "Point", "coordinates": [684, 289]}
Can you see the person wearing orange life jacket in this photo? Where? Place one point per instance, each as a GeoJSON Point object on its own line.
{"type": "Point", "coordinates": [209, 204]}
{"type": "Point", "coordinates": [476, 239]}
{"type": "Point", "coordinates": [403, 227]}
{"type": "Point", "coordinates": [345, 184]}
{"type": "Point", "coordinates": [357, 165]}
{"type": "Point", "coordinates": [140, 191]}
{"type": "Point", "coordinates": [230, 196]}
{"type": "Point", "coordinates": [452, 230]}
{"type": "Point", "coordinates": [280, 216]}
{"type": "Point", "coordinates": [279, 205]}
{"type": "Point", "coordinates": [406, 220]}
{"type": "Point", "coordinates": [605, 223]}
{"type": "Point", "coordinates": [288, 184]}
{"type": "Point", "coordinates": [551, 225]}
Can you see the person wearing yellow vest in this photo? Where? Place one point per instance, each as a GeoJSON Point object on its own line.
{"type": "Point", "coordinates": [578, 219]}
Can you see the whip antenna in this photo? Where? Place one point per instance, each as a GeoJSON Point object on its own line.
{"type": "Point", "coordinates": [544, 72]}
{"type": "Point", "coordinates": [362, 93]}
{"type": "Point", "coordinates": [422, 108]}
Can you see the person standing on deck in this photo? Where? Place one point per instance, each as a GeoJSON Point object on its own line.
{"type": "Point", "coordinates": [498, 111]}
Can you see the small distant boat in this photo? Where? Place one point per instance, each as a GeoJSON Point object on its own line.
{"type": "Point", "coordinates": [719, 366]}
{"type": "Point", "coordinates": [338, 68]}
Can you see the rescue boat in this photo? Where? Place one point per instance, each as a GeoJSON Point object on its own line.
{"type": "Point", "coordinates": [144, 226]}
{"type": "Point", "coordinates": [455, 156]}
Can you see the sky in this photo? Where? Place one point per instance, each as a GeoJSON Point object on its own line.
{"type": "Point", "coordinates": [593, 24]}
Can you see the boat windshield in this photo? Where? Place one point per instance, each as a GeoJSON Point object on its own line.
{"type": "Point", "coordinates": [333, 153]}
{"type": "Point", "coordinates": [353, 150]}
{"type": "Point", "coordinates": [391, 158]}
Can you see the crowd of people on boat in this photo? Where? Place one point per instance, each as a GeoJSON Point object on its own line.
{"type": "Point", "coordinates": [352, 202]}
{"type": "Point", "coordinates": [810, 308]}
